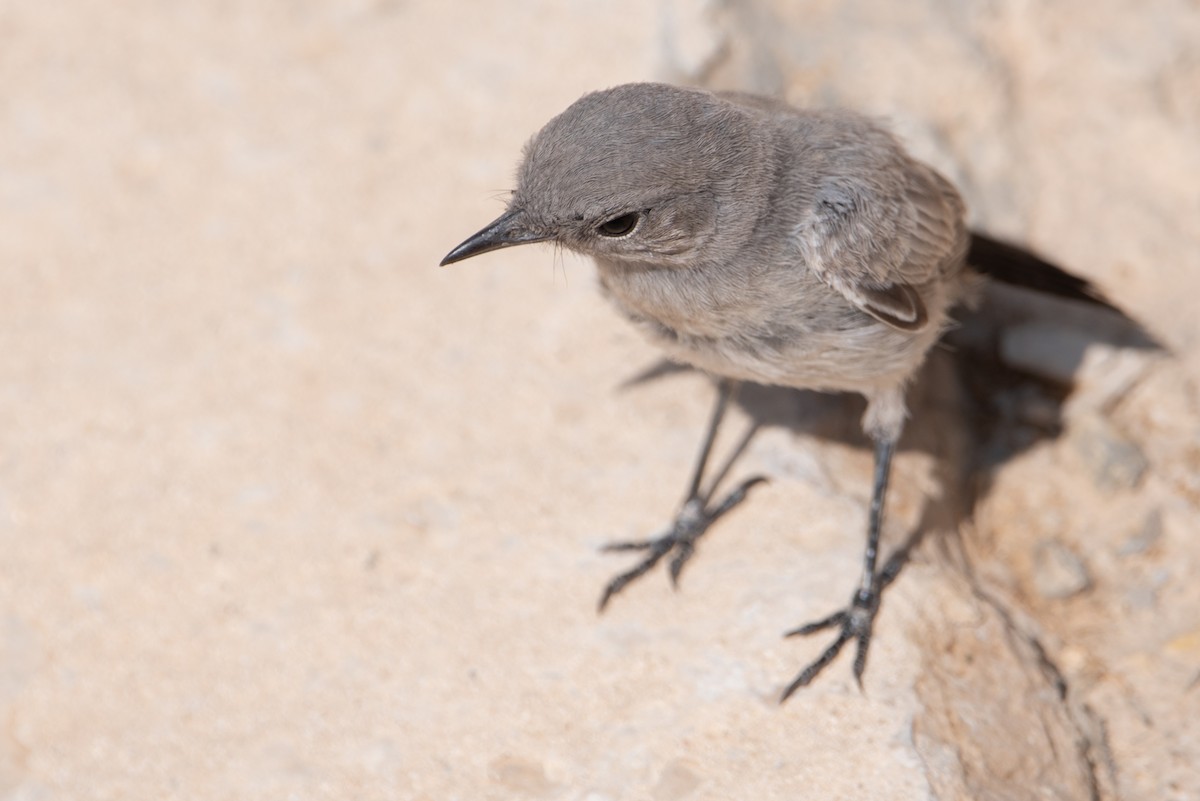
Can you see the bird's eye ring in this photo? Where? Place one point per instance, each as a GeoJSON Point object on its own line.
{"type": "Point", "coordinates": [619, 226]}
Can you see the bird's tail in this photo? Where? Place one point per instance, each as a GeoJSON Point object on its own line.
{"type": "Point", "coordinates": [1015, 265]}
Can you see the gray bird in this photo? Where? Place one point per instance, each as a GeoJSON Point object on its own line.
{"type": "Point", "coordinates": [759, 242]}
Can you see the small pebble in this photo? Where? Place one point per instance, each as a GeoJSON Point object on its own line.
{"type": "Point", "coordinates": [1115, 462]}
{"type": "Point", "coordinates": [1058, 572]}
{"type": "Point", "coordinates": [1147, 535]}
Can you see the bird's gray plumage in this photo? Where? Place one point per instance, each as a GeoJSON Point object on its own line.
{"type": "Point", "coordinates": [797, 247]}
{"type": "Point", "coordinates": [755, 241]}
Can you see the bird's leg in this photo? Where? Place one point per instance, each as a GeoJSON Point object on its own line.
{"type": "Point", "coordinates": [856, 620]}
{"type": "Point", "coordinates": [694, 517]}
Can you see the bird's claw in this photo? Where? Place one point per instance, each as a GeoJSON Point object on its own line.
{"type": "Point", "coordinates": [690, 525]}
{"type": "Point", "coordinates": [855, 622]}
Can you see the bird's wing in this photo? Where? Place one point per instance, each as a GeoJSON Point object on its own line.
{"type": "Point", "coordinates": [879, 241]}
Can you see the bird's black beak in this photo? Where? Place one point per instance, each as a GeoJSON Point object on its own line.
{"type": "Point", "coordinates": [510, 229]}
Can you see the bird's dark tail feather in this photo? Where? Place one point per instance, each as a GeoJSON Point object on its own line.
{"type": "Point", "coordinates": [1015, 265]}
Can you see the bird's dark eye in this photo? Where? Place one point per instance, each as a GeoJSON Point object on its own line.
{"type": "Point", "coordinates": [619, 226]}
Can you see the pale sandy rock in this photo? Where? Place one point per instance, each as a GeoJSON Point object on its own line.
{"type": "Point", "coordinates": [1112, 459]}
{"type": "Point", "coordinates": [287, 511]}
{"type": "Point", "coordinates": [1058, 572]}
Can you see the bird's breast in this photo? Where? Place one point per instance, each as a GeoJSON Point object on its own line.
{"type": "Point", "coordinates": [785, 328]}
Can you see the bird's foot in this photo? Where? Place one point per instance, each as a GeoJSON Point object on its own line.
{"type": "Point", "coordinates": [680, 539]}
{"type": "Point", "coordinates": [855, 622]}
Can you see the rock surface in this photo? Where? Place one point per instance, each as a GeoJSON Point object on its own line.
{"type": "Point", "coordinates": [287, 511]}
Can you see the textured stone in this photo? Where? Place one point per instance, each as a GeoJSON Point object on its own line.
{"type": "Point", "coordinates": [287, 511]}
{"type": "Point", "coordinates": [1114, 461]}
{"type": "Point", "coordinates": [1058, 572]}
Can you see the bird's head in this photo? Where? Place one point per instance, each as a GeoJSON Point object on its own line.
{"type": "Point", "coordinates": [642, 173]}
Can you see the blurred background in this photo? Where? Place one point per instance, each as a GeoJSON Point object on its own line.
{"type": "Point", "coordinates": [288, 511]}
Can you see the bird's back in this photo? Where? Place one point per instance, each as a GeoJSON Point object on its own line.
{"type": "Point", "coordinates": [848, 211]}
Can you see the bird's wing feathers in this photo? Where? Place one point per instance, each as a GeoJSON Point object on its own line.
{"type": "Point", "coordinates": [878, 243]}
